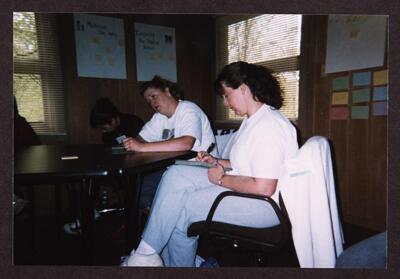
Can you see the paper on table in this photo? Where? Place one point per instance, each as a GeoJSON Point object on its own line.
{"type": "Point", "coordinates": [197, 164]}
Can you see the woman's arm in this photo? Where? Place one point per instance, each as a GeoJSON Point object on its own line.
{"type": "Point", "coordinates": [244, 184]}
{"type": "Point", "coordinates": [205, 157]}
{"type": "Point", "coordinates": [183, 143]}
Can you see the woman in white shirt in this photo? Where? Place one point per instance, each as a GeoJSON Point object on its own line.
{"type": "Point", "coordinates": [175, 126]}
{"type": "Point", "coordinates": [264, 140]}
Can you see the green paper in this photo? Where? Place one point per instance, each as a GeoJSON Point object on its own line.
{"type": "Point", "coordinates": [359, 112]}
{"type": "Point", "coordinates": [361, 95]}
{"type": "Point", "coordinates": [340, 83]}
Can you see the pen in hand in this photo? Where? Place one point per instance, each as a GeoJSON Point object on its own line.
{"type": "Point", "coordinates": [202, 154]}
{"type": "Point", "coordinates": [210, 148]}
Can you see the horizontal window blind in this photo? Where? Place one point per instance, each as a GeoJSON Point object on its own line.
{"type": "Point", "coordinates": [37, 79]}
{"type": "Point", "coordinates": [269, 40]}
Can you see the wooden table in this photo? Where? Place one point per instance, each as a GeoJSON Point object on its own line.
{"type": "Point", "coordinates": [43, 164]}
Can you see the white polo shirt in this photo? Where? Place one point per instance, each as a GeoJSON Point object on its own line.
{"type": "Point", "coordinates": [188, 120]}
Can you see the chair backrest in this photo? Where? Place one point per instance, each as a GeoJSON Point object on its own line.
{"type": "Point", "coordinates": [308, 189]}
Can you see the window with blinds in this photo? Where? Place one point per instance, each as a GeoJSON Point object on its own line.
{"type": "Point", "coordinates": [269, 40]}
{"type": "Point", "coordinates": [37, 77]}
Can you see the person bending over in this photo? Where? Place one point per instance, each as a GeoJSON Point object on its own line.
{"type": "Point", "coordinates": [185, 194]}
{"type": "Point", "coordinates": [115, 126]}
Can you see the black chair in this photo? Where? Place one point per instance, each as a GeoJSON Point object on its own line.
{"type": "Point", "coordinates": [218, 239]}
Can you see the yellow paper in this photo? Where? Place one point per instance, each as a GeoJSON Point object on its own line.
{"type": "Point", "coordinates": [381, 77]}
{"type": "Point", "coordinates": [340, 98]}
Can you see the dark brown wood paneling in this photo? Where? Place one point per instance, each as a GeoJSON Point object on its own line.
{"type": "Point", "coordinates": [359, 146]}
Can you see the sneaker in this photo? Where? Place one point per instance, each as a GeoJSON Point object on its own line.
{"type": "Point", "coordinates": [124, 259]}
{"type": "Point", "coordinates": [136, 259]}
{"type": "Point", "coordinates": [73, 228]}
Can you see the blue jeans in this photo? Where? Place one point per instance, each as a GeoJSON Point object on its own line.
{"type": "Point", "coordinates": [184, 196]}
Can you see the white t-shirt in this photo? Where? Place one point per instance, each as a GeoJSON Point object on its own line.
{"type": "Point", "coordinates": [188, 120]}
{"type": "Point", "coordinates": [262, 144]}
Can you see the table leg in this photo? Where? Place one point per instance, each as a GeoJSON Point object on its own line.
{"type": "Point", "coordinates": [57, 194]}
{"type": "Point", "coordinates": [132, 189]}
{"type": "Point", "coordinates": [87, 220]}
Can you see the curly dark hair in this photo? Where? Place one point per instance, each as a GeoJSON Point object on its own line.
{"type": "Point", "coordinates": [103, 112]}
{"type": "Point", "coordinates": [263, 85]}
{"type": "Point", "coordinates": [160, 83]}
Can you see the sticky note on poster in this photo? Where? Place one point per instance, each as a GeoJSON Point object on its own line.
{"type": "Point", "coordinates": [380, 93]}
{"type": "Point", "coordinates": [360, 95]}
{"type": "Point", "coordinates": [379, 108]}
{"type": "Point", "coordinates": [340, 83]}
{"type": "Point", "coordinates": [359, 112]}
{"type": "Point", "coordinates": [360, 79]}
{"type": "Point", "coordinates": [339, 113]}
{"type": "Point", "coordinates": [381, 77]}
{"type": "Point", "coordinates": [340, 98]}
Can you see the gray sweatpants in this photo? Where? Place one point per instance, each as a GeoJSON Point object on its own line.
{"type": "Point", "coordinates": [184, 196]}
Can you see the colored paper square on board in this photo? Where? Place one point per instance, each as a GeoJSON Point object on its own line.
{"type": "Point", "coordinates": [381, 77]}
{"type": "Point", "coordinates": [359, 112]}
{"type": "Point", "coordinates": [340, 98]}
{"type": "Point", "coordinates": [339, 113]}
{"type": "Point", "coordinates": [380, 108]}
{"type": "Point", "coordinates": [380, 93]}
{"type": "Point", "coordinates": [360, 79]}
{"type": "Point", "coordinates": [340, 83]}
{"type": "Point", "coordinates": [360, 95]}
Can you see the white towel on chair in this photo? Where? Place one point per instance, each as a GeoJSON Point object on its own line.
{"type": "Point", "coordinates": [308, 191]}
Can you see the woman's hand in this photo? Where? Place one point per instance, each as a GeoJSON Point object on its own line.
{"type": "Point", "coordinates": [205, 157]}
{"type": "Point", "coordinates": [132, 144]}
{"type": "Point", "coordinates": [216, 173]}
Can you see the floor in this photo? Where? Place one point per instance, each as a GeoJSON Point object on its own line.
{"type": "Point", "coordinates": [51, 246]}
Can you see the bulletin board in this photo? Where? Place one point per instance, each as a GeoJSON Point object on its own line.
{"type": "Point", "coordinates": [155, 52]}
{"type": "Point", "coordinates": [100, 46]}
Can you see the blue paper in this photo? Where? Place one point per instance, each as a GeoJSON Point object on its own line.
{"type": "Point", "coordinates": [380, 93]}
{"type": "Point", "coordinates": [363, 78]}
{"type": "Point", "coordinates": [379, 108]}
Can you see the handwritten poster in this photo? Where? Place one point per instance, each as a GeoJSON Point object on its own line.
{"type": "Point", "coordinates": [100, 46]}
{"type": "Point", "coordinates": [155, 52]}
{"type": "Point", "coordinates": [355, 42]}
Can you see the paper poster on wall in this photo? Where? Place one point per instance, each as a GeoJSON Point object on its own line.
{"type": "Point", "coordinates": [155, 52]}
{"type": "Point", "coordinates": [379, 108]}
{"type": "Point", "coordinates": [100, 46]}
{"type": "Point", "coordinates": [361, 79]}
{"type": "Point", "coordinates": [340, 98]}
{"type": "Point", "coordinates": [360, 95]}
{"type": "Point", "coordinates": [359, 112]}
{"type": "Point", "coordinates": [380, 93]}
{"type": "Point", "coordinates": [355, 42]}
{"type": "Point", "coordinates": [381, 77]}
{"type": "Point", "coordinates": [339, 113]}
{"type": "Point", "coordinates": [340, 83]}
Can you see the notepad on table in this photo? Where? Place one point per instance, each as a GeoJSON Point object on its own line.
{"type": "Point", "coordinates": [197, 164]}
{"type": "Point", "coordinates": [119, 149]}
